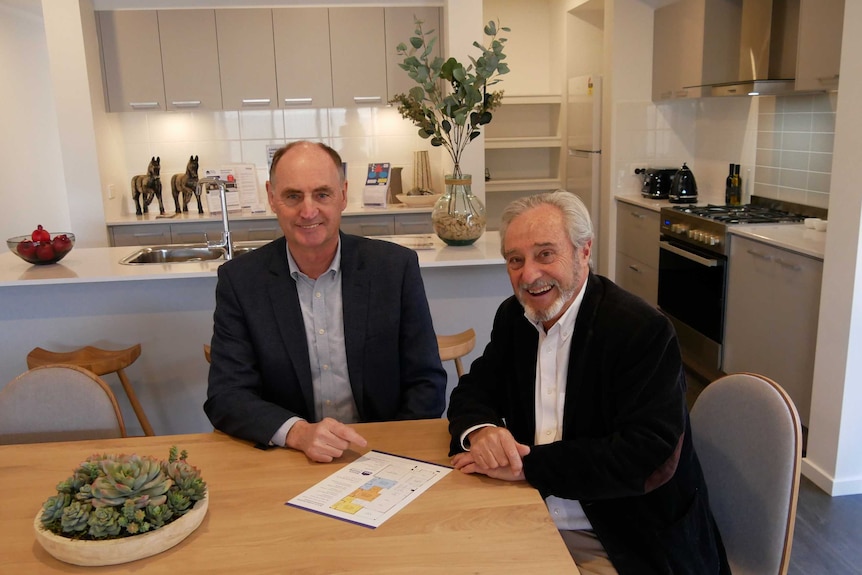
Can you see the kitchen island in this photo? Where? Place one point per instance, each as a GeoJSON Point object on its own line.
{"type": "Point", "coordinates": [89, 298]}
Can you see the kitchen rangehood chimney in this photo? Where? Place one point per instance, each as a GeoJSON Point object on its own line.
{"type": "Point", "coordinates": [767, 35]}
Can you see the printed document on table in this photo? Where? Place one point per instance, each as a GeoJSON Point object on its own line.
{"type": "Point", "coordinates": [371, 489]}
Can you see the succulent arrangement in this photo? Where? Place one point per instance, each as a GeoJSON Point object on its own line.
{"type": "Point", "coordinates": [452, 117]}
{"type": "Point", "coordinates": [115, 496]}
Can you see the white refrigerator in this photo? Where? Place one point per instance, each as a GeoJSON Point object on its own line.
{"type": "Point", "coordinates": [584, 145]}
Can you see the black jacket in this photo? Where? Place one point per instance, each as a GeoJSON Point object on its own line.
{"type": "Point", "coordinates": [626, 452]}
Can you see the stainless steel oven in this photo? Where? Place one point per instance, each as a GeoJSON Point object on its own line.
{"type": "Point", "coordinates": [692, 274]}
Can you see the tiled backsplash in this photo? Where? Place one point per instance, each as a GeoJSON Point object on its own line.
{"type": "Point", "coordinates": [361, 135]}
{"type": "Point", "coordinates": [794, 148]}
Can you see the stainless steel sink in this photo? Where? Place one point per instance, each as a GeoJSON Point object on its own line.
{"type": "Point", "coordinates": [184, 253]}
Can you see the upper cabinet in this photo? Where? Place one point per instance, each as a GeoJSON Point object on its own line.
{"type": "Point", "coordinates": [302, 57]}
{"type": "Point", "coordinates": [246, 53]}
{"type": "Point", "coordinates": [400, 27]}
{"type": "Point", "coordinates": [820, 31]}
{"type": "Point", "coordinates": [131, 60]}
{"type": "Point", "coordinates": [357, 40]}
{"type": "Point", "coordinates": [190, 64]}
{"type": "Point", "coordinates": [256, 58]}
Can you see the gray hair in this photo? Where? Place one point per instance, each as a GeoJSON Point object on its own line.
{"type": "Point", "coordinates": [576, 217]}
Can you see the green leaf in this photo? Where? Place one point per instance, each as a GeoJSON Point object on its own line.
{"type": "Point", "coordinates": [416, 42]}
{"type": "Point", "coordinates": [447, 127]}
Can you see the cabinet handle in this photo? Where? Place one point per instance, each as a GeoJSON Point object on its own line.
{"type": "Point", "coordinates": [297, 101]}
{"type": "Point", "coordinates": [634, 268]}
{"type": "Point", "coordinates": [256, 102]}
{"type": "Point", "coordinates": [144, 105]}
{"type": "Point", "coordinates": [367, 99]}
{"type": "Point", "coordinates": [187, 103]}
{"type": "Point", "coordinates": [825, 79]}
{"type": "Point", "coordinates": [762, 256]}
{"type": "Point", "coordinates": [788, 265]}
{"type": "Point", "coordinates": [637, 215]}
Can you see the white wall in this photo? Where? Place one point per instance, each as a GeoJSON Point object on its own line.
{"type": "Point", "coordinates": [32, 188]}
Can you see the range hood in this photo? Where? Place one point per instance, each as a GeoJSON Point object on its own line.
{"type": "Point", "coordinates": [766, 34]}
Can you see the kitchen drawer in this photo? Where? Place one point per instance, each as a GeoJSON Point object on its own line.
{"type": "Point", "coordinates": [377, 225]}
{"type": "Point", "coordinates": [638, 231]}
{"type": "Point", "coordinates": [413, 224]}
{"type": "Point", "coordinates": [197, 233]}
{"type": "Point", "coordinates": [260, 230]}
{"type": "Point", "coordinates": [141, 235]}
{"type": "Point", "coordinates": [638, 278]}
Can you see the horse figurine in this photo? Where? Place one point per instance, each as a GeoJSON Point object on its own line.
{"type": "Point", "coordinates": [187, 183]}
{"type": "Point", "coordinates": [148, 185]}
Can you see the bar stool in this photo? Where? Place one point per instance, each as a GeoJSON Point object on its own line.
{"type": "Point", "coordinates": [100, 362]}
{"type": "Point", "coordinates": [456, 346]}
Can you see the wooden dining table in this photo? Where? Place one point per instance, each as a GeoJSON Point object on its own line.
{"type": "Point", "coordinates": [462, 524]}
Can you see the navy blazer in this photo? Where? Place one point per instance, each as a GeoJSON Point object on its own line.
{"type": "Point", "coordinates": [626, 452]}
{"type": "Point", "coordinates": [260, 375]}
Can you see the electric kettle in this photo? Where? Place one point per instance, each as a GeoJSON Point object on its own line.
{"type": "Point", "coordinates": [683, 187]}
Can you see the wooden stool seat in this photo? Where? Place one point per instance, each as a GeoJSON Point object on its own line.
{"type": "Point", "coordinates": [100, 362]}
{"type": "Point", "coordinates": [456, 346]}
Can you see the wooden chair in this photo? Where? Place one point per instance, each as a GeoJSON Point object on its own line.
{"type": "Point", "coordinates": [58, 403]}
{"type": "Point", "coordinates": [748, 437]}
{"type": "Point", "coordinates": [100, 362]}
{"type": "Point", "coordinates": [456, 346]}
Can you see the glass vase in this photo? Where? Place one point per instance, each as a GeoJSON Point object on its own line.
{"type": "Point", "coordinates": [458, 216]}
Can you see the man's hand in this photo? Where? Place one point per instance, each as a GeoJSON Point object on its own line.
{"type": "Point", "coordinates": [495, 453]}
{"type": "Point", "coordinates": [323, 441]}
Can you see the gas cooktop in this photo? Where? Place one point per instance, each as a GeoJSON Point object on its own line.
{"type": "Point", "coordinates": [746, 214]}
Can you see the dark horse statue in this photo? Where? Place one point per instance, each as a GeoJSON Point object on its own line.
{"type": "Point", "coordinates": [148, 185]}
{"type": "Point", "coordinates": [187, 184]}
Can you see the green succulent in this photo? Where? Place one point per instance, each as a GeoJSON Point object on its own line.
{"type": "Point", "coordinates": [131, 477]}
{"type": "Point", "coordinates": [111, 496]}
{"type": "Point", "coordinates": [75, 517]}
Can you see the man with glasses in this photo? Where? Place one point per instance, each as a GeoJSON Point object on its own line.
{"type": "Point", "coordinates": [319, 329]}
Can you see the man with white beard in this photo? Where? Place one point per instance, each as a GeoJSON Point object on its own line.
{"type": "Point", "coordinates": [581, 393]}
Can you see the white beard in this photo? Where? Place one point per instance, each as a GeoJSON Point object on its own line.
{"type": "Point", "coordinates": [537, 316]}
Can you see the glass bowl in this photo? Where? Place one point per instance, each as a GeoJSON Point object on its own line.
{"type": "Point", "coordinates": [41, 253]}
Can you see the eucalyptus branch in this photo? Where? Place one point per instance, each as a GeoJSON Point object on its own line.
{"type": "Point", "coordinates": [452, 119]}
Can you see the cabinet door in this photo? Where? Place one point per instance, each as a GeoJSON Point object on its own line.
{"type": "Point", "coordinates": [246, 54]}
{"type": "Point", "coordinates": [190, 59]}
{"type": "Point", "coordinates": [141, 235]}
{"type": "Point", "coordinates": [637, 278]}
{"type": "Point", "coordinates": [400, 26]}
{"type": "Point", "coordinates": [638, 231]}
{"type": "Point", "coordinates": [678, 49]}
{"type": "Point", "coordinates": [131, 60]}
{"type": "Point", "coordinates": [773, 302]}
{"type": "Point", "coordinates": [819, 56]}
{"type": "Point", "coordinates": [302, 60]}
{"type": "Point", "coordinates": [357, 40]}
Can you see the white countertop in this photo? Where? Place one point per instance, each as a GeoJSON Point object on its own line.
{"type": "Point", "coordinates": [93, 265]}
{"type": "Point", "coordinates": [192, 216]}
{"type": "Point", "coordinates": [793, 237]}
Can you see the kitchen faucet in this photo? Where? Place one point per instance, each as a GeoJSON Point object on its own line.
{"type": "Point", "coordinates": [225, 242]}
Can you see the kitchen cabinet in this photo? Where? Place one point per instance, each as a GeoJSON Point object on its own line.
{"type": "Point", "coordinates": [357, 39]}
{"type": "Point", "coordinates": [820, 31]}
{"type": "Point", "coordinates": [773, 302]}
{"type": "Point", "coordinates": [695, 42]}
{"type": "Point", "coordinates": [246, 54]}
{"type": "Point", "coordinates": [400, 27]}
{"type": "Point", "coordinates": [131, 60]}
{"type": "Point", "coordinates": [303, 65]}
{"type": "Point", "coordinates": [190, 63]}
{"type": "Point", "coordinates": [638, 231]}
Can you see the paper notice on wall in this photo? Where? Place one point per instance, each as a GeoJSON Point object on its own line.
{"type": "Point", "coordinates": [245, 177]}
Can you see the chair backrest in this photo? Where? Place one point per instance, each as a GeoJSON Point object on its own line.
{"type": "Point", "coordinates": [456, 346]}
{"type": "Point", "coordinates": [58, 403]}
{"type": "Point", "coordinates": [748, 437]}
